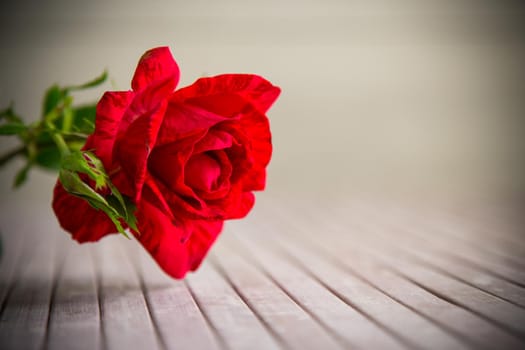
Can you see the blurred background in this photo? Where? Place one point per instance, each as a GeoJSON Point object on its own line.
{"type": "Point", "coordinates": [378, 96]}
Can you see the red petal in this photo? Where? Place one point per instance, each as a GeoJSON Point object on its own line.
{"type": "Point", "coordinates": [110, 110]}
{"type": "Point", "coordinates": [202, 172]}
{"type": "Point", "coordinates": [134, 145]}
{"type": "Point", "coordinates": [176, 248]}
{"type": "Point", "coordinates": [253, 150]}
{"type": "Point", "coordinates": [155, 65]}
{"type": "Point", "coordinates": [76, 216]}
{"type": "Point", "coordinates": [214, 140]}
{"type": "Point", "coordinates": [228, 93]}
{"type": "Point", "coordinates": [246, 97]}
{"type": "Point", "coordinates": [202, 238]}
{"type": "Point", "coordinates": [182, 120]}
{"type": "Point", "coordinates": [167, 164]}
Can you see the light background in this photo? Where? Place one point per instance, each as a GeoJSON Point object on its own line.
{"type": "Point", "coordinates": [378, 96]}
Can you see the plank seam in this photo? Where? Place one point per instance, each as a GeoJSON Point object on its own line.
{"type": "Point", "coordinates": [458, 304]}
{"type": "Point", "coordinates": [450, 331]}
{"type": "Point", "coordinates": [256, 263]}
{"type": "Point", "coordinates": [98, 284]}
{"type": "Point", "coordinates": [438, 269]}
{"type": "Point", "coordinates": [218, 267]}
{"type": "Point", "coordinates": [348, 302]}
{"type": "Point", "coordinates": [145, 295]}
{"type": "Point", "coordinates": [216, 334]}
{"type": "Point", "coordinates": [57, 273]}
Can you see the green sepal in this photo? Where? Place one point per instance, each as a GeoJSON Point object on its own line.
{"type": "Point", "coordinates": [125, 211]}
{"type": "Point", "coordinates": [74, 185]}
{"type": "Point", "coordinates": [116, 206]}
{"type": "Point", "coordinates": [86, 163]}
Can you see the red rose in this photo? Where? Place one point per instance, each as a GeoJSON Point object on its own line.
{"type": "Point", "coordinates": [189, 159]}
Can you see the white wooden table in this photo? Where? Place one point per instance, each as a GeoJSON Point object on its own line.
{"type": "Point", "coordinates": [359, 272]}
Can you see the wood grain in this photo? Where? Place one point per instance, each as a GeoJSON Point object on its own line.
{"type": "Point", "coordinates": [355, 273]}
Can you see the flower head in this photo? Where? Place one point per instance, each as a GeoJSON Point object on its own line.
{"type": "Point", "coordinates": [188, 159]}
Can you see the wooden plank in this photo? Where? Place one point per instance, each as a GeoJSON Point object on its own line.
{"type": "Point", "coordinates": [494, 224]}
{"type": "Point", "coordinates": [237, 326]}
{"type": "Point", "coordinates": [75, 320]}
{"type": "Point", "coordinates": [496, 265]}
{"type": "Point", "coordinates": [499, 311]}
{"type": "Point", "coordinates": [344, 236]}
{"type": "Point", "coordinates": [438, 257]}
{"type": "Point", "coordinates": [286, 319]}
{"type": "Point", "coordinates": [506, 315]}
{"type": "Point", "coordinates": [435, 232]}
{"type": "Point", "coordinates": [480, 239]}
{"type": "Point", "coordinates": [477, 331]}
{"type": "Point", "coordinates": [24, 319]}
{"type": "Point", "coordinates": [126, 323]}
{"type": "Point", "coordinates": [10, 260]}
{"type": "Point", "coordinates": [380, 307]}
{"type": "Point", "coordinates": [466, 273]}
{"type": "Point", "coordinates": [177, 317]}
{"type": "Point", "coordinates": [350, 326]}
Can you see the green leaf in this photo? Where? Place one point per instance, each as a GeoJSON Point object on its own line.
{"type": "Point", "coordinates": [48, 157]}
{"type": "Point", "coordinates": [84, 119]}
{"type": "Point", "coordinates": [95, 82]}
{"type": "Point", "coordinates": [14, 128]}
{"type": "Point", "coordinates": [44, 138]}
{"type": "Point", "coordinates": [9, 115]}
{"type": "Point", "coordinates": [21, 176]}
{"type": "Point", "coordinates": [54, 95]}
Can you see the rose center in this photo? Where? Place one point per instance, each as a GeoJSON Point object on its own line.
{"type": "Point", "coordinates": [202, 172]}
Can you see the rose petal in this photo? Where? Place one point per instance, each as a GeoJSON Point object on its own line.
{"type": "Point", "coordinates": [133, 147]}
{"type": "Point", "coordinates": [110, 110]}
{"type": "Point", "coordinates": [202, 238]}
{"type": "Point", "coordinates": [176, 248]}
{"type": "Point", "coordinates": [202, 172]}
{"type": "Point", "coordinates": [228, 94]}
{"type": "Point", "coordinates": [214, 140]}
{"type": "Point", "coordinates": [154, 66]}
{"type": "Point", "coordinates": [182, 120]}
{"type": "Point", "coordinates": [237, 205]}
{"type": "Point", "coordinates": [223, 181]}
{"type": "Point", "coordinates": [254, 152]}
{"type": "Point", "coordinates": [167, 164]}
{"type": "Point", "coordinates": [76, 216]}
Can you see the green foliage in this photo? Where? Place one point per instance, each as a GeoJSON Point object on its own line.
{"type": "Point", "coordinates": [55, 141]}
{"type": "Point", "coordinates": [54, 95]}
{"type": "Point", "coordinates": [13, 128]}
{"type": "Point", "coordinates": [21, 176]}
{"type": "Point", "coordinates": [115, 205]}
{"type": "Point", "coordinates": [59, 117]}
{"type": "Point", "coordinates": [9, 115]}
{"type": "Point", "coordinates": [48, 157]}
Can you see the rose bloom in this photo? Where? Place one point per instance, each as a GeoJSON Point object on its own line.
{"type": "Point", "coordinates": [188, 159]}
